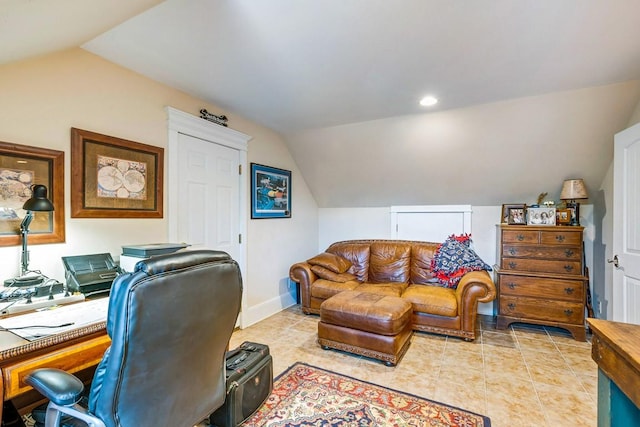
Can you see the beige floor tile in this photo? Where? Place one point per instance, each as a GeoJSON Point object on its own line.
{"type": "Point", "coordinates": [590, 384]}
{"type": "Point", "coordinates": [526, 375]}
{"type": "Point", "coordinates": [497, 339]}
{"type": "Point", "coordinates": [529, 331]}
{"type": "Point", "coordinates": [536, 344]}
{"type": "Point", "coordinates": [581, 363]}
{"type": "Point", "coordinates": [462, 375]}
{"type": "Point", "coordinates": [566, 408]}
{"type": "Point", "coordinates": [470, 397]}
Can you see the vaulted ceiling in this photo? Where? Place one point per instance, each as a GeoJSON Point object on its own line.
{"type": "Point", "coordinates": [531, 92]}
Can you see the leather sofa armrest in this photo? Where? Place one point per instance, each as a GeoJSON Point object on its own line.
{"type": "Point", "coordinates": [474, 287]}
{"type": "Point", "coordinates": [301, 273]}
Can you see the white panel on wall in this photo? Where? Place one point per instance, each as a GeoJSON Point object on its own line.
{"type": "Point", "coordinates": [429, 223]}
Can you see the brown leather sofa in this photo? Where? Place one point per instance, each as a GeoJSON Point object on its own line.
{"type": "Point", "coordinates": [400, 268]}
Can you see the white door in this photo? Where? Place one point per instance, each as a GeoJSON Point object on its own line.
{"type": "Point", "coordinates": [626, 226]}
{"type": "Point", "coordinates": [208, 195]}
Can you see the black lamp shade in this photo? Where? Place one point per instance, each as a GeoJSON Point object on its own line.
{"type": "Point", "coordinates": [38, 201]}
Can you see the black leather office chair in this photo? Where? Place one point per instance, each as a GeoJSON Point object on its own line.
{"type": "Point", "coordinates": [170, 322]}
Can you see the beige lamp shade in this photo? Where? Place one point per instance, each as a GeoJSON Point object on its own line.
{"type": "Point", "coordinates": [573, 189]}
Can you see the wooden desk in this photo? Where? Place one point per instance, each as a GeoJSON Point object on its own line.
{"type": "Point", "coordinates": [73, 351]}
{"type": "Point", "coordinates": [616, 350]}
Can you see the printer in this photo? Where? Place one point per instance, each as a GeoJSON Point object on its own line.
{"type": "Point", "coordinates": [90, 274]}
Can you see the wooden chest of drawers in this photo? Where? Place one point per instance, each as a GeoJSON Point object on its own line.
{"type": "Point", "coordinates": [540, 277]}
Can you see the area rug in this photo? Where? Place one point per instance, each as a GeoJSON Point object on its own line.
{"type": "Point", "coordinates": [306, 396]}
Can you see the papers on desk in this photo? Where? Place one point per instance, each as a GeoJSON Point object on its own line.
{"type": "Point", "coordinates": [57, 319]}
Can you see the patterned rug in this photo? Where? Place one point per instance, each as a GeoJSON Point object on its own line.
{"type": "Point", "coordinates": [305, 396]}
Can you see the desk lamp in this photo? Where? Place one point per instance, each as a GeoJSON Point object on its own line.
{"type": "Point", "coordinates": [573, 189]}
{"type": "Point", "coordinates": [37, 203]}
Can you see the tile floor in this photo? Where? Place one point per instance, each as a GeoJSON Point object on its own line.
{"type": "Point", "coordinates": [524, 376]}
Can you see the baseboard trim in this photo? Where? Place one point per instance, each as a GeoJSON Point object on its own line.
{"type": "Point", "coordinates": [256, 313]}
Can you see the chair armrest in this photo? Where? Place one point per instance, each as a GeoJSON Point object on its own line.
{"type": "Point", "coordinates": [56, 385]}
{"type": "Point", "coordinates": [301, 273]}
{"type": "Point", "coordinates": [64, 391]}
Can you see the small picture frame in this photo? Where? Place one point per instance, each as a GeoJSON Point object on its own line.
{"type": "Point", "coordinates": [541, 216]}
{"type": "Point", "coordinates": [563, 216]}
{"type": "Point", "coordinates": [514, 214]}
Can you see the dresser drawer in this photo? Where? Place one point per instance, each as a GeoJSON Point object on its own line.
{"type": "Point", "coordinates": [520, 236]}
{"type": "Point", "coordinates": [524, 286]}
{"type": "Point", "coordinates": [542, 266]}
{"type": "Point", "coordinates": [553, 237]}
{"type": "Point", "coordinates": [542, 252]}
{"type": "Point", "coordinates": [542, 309]}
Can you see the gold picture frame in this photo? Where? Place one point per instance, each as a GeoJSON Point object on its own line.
{"type": "Point", "coordinates": [115, 178]}
{"type": "Point", "coordinates": [21, 167]}
{"type": "Point", "coordinates": [563, 216]}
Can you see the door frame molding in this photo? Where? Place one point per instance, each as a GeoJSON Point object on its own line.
{"type": "Point", "coordinates": [179, 122]}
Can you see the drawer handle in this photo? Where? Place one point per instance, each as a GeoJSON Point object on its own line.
{"type": "Point", "coordinates": [568, 268]}
{"type": "Point", "coordinates": [569, 291]}
{"type": "Point", "coordinates": [568, 253]}
{"type": "Point", "coordinates": [568, 312]}
{"type": "Point", "coordinates": [520, 237]}
{"type": "Point", "coordinates": [560, 238]}
{"type": "Point", "coordinates": [513, 265]}
{"type": "Point", "coordinates": [511, 306]}
{"type": "Point", "coordinates": [513, 252]}
{"type": "Point", "coordinates": [511, 285]}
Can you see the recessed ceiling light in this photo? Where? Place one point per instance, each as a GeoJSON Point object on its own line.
{"type": "Point", "coordinates": [428, 101]}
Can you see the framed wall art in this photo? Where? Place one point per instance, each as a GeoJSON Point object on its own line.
{"type": "Point", "coordinates": [270, 192]}
{"type": "Point", "coordinates": [115, 178]}
{"type": "Point", "coordinates": [514, 214]}
{"type": "Point", "coordinates": [21, 167]}
{"type": "Point", "coordinates": [541, 216]}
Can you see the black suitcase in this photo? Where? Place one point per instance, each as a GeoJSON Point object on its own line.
{"type": "Point", "coordinates": [249, 383]}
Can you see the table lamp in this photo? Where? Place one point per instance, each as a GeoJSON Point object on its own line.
{"type": "Point", "coordinates": [37, 203]}
{"type": "Point", "coordinates": [573, 189]}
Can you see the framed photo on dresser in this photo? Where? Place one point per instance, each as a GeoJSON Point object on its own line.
{"type": "Point", "coordinates": [514, 214]}
{"type": "Point", "coordinates": [541, 216]}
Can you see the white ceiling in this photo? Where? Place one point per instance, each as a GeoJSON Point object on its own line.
{"type": "Point", "coordinates": [298, 64]}
{"type": "Point", "coordinates": [528, 84]}
{"type": "Point", "coordinates": [35, 27]}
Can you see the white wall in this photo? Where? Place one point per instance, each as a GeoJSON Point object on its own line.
{"type": "Point", "coordinates": [602, 272]}
{"type": "Point", "coordinates": [374, 223]}
{"type": "Point", "coordinates": [42, 98]}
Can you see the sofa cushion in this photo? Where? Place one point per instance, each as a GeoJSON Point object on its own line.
{"type": "Point", "coordinates": [454, 258]}
{"type": "Point", "coordinates": [421, 255]}
{"type": "Point", "coordinates": [393, 288]}
{"type": "Point", "coordinates": [432, 300]}
{"type": "Point", "coordinates": [330, 261]}
{"type": "Point", "coordinates": [324, 289]}
{"type": "Point", "coordinates": [325, 273]}
{"type": "Point", "coordinates": [357, 254]}
{"type": "Point", "coordinates": [389, 262]}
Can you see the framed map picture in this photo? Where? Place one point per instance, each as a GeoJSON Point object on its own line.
{"type": "Point", "coordinates": [115, 178]}
{"type": "Point", "coordinates": [22, 167]}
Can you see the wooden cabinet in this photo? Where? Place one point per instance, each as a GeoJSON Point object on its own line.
{"type": "Point", "coordinates": [541, 278]}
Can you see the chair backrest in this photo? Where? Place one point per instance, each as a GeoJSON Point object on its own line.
{"type": "Point", "coordinates": [170, 322]}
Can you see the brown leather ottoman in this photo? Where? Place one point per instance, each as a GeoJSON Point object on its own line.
{"type": "Point", "coordinates": [377, 326]}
